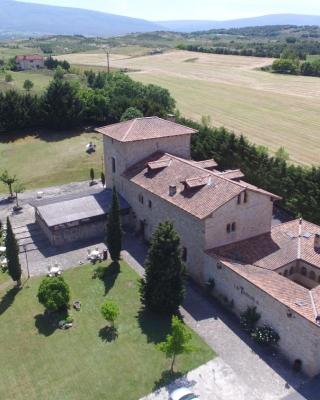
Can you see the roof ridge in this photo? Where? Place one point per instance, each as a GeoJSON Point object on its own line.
{"type": "Point", "coordinates": [129, 129]}
{"type": "Point", "coordinates": [314, 307]}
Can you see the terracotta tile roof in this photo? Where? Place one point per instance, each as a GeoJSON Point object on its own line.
{"type": "Point", "coordinates": [29, 57]}
{"type": "Point", "coordinates": [154, 165]}
{"type": "Point", "coordinates": [204, 193]}
{"type": "Point", "coordinates": [287, 292]}
{"type": "Point", "coordinates": [144, 128]}
{"type": "Point", "coordinates": [231, 174]}
{"type": "Point", "coordinates": [197, 181]}
{"type": "Point", "coordinates": [258, 259]}
{"type": "Point", "coordinates": [206, 164]}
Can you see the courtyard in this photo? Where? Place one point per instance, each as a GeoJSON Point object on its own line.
{"type": "Point", "coordinates": [39, 361]}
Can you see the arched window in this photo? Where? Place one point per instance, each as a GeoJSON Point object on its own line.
{"type": "Point", "coordinates": [304, 271]}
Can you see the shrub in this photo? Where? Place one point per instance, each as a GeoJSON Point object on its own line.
{"type": "Point", "coordinates": [69, 319]}
{"type": "Point", "coordinates": [265, 335]}
{"type": "Point", "coordinates": [249, 319]}
{"type": "Point", "coordinates": [54, 293]}
{"type": "Point", "coordinates": [110, 311]}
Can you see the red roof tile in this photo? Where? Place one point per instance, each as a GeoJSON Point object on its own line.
{"type": "Point", "coordinates": [144, 128]}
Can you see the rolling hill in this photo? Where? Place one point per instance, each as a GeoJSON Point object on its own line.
{"type": "Point", "coordinates": [26, 19]}
{"type": "Point", "coordinates": [273, 19]}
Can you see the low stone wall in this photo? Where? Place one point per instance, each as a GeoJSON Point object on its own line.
{"type": "Point", "coordinates": [299, 338]}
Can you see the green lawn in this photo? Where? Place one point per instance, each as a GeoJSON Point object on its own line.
{"type": "Point", "coordinates": [4, 277]}
{"type": "Point", "coordinates": [42, 159]}
{"type": "Point", "coordinates": [39, 362]}
{"type": "Point", "coordinates": [40, 79]}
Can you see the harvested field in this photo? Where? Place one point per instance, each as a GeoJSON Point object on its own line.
{"type": "Point", "coordinates": [271, 109]}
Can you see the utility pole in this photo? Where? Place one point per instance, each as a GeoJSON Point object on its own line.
{"type": "Point", "coordinates": [108, 59]}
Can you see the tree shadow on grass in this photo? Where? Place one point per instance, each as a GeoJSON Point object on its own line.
{"type": "Point", "coordinates": [48, 322]}
{"type": "Point", "coordinates": [8, 299]}
{"type": "Point", "coordinates": [108, 275]}
{"type": "Point", "coordinates": [156, 327]}
{"type": "Point", "coordinates": [166, 378]}
{"type": "Point", "coordinates": [108, 334]}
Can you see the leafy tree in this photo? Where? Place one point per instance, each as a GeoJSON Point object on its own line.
{"type": "Point", "coordinates": [12, 253]}
{"type": "Point", "coordinates": [8, 78]}
{"type": "Point", "coordinates": [178, 342]}
{"type": "Point", "coordinates": [92, 174]}
{"type": "Point", "coordinates": [282, 154]}
{"type": "Point", "coordinates": [285, 66]}
{"type": "Point", "coordinates": [8, 180]}
{"type": "Point", "coordinates": [54, 293]}
{"type": "Point", "coordinates": [59, 73]}
{"type": "Point", "coordinates": [131, 113]}
{"type": "Point", "coordinates": [18, 188]}
{"type": "Point", "coordinates": [28, 85]}
{"type": "Point", "coordinates": [62, 105]}
{"type": "Point", "coordinates": [162, 290]}
{"type": "Point", "coordinates": [114, 232]}
{"type": "Point", "coordinates": [110, 311]}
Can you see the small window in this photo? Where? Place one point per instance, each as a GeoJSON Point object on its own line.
{"type": "Point", "coordinates": [239, 199]}
{"type": "Point", "coordinates": [312, 275]}
{"type": "Point", "coordinates": [141, 199]}
{"type": "Point", "coordinates": [245, 198]}
{"type": "Point", "coordinates": [233, 227]}
{"type": "Point", "coordinates": [304, 271]}
{"type": "Point", "coordinates": [285, 273]}
{"type": "Point", "coordinates": [184, 254]}
{"type": "Point", "coordinates": [113, 165]}
{"type": "Point", "coordinates": [291, 270]}
{"type": "Point", "coordinates": [228, 228]}
{"type": "Point", "coordinates": [150, 204]}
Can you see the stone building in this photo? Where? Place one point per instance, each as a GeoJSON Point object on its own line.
{"type": "Point", "coordinates": [225, 225]}
{"type": "Point", "coordinates": [76, 218]}
{"type": "Point", "coordinates": [29, 62]}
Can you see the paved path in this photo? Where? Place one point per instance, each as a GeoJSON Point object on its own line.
{"type": "Point", "coordinates": [250, 368]}
{"type": "Point", "coordinates": [254, 373]}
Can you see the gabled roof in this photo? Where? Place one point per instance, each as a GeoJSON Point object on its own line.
{"type": "Point", "coordinates": [144, 128]}
{"type": "Point", "coordinates": [199, 191]}
{"type": "Point", "coordinates": [285, 243]}
{"type": "Point", "coordinates": [70, 209]}
{"type": "Point", "coordinates": [29, 57]}
{"type": "Point", "coordinates": [258, 259]}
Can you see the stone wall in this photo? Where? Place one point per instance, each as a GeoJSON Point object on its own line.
{"type": "Point", "coordinates": [252, 218]}
{"type": "Point", "coordinates": [129, 153]}
{"type": "Point", "coordinates": [299, 338]}
{"type": "Point", "coordinates": [190, 229]}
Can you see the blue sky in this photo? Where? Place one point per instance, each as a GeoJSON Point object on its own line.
{"type": "Point", "coordinates": [192, 9]}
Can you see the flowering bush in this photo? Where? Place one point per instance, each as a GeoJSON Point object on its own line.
{"type": "Point", "coordinates": [265, 335]}
{"type": "Point", "coordinates": [249, 319]}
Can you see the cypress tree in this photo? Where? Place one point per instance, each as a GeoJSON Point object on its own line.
{"type": "Point", "coordinates": [12, 252]}
{"type": "Point", "coordinates": [162, 290]}
{"type": "Point", "coordinates": [114, 232]}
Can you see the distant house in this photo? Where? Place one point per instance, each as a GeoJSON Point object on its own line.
{"type": "Point", "coordinates": [31, 61]}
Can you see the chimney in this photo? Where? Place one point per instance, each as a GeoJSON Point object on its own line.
{"type": "Point", "coordinates": [173, 191]}
{"type": "Point", "coordinates": [317, 241]}
{"type": "Point", "coordinates": [171, 117]}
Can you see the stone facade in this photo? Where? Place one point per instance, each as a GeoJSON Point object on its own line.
{"type": "Point", "coordinates": [245, 214]}
{"type": "Point", "coordinates": [299, 338]}
{"type": "Point", "coordinates": [251, 218]}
